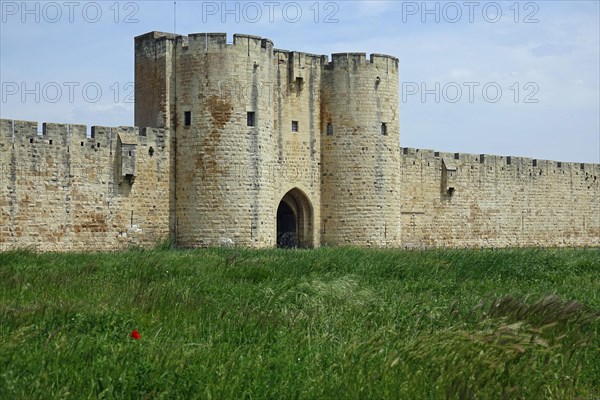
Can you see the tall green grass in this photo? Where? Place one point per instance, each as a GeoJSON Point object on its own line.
{"type": "Point", "coordinates": [327, 323]}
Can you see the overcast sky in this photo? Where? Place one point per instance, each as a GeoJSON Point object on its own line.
{"type": "Point", "coordinates": [505, 77]}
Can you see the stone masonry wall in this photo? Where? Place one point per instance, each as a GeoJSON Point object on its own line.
{"type": "Point", "coordinates": [297, 155]}
{"type": "Point", "coordinates": [469, 200]}
{"type": "Point", "coordinates": [360, 155]}
{"type": "Point", "coordinates": [64, 191]}
{"type": "Point", "coordinates": [224, 186]}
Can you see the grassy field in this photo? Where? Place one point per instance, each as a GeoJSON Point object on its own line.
{"type": "Point", "coordinates": [327, 323]}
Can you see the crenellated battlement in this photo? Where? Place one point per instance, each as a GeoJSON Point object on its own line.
{"type": "Point", "coordinates": [214, 42]}
{"type": "Point", "coordinates": [60, 134]}
{"type": "Point", "coordinates": [357, 60]}
{"type": "Point", "coordinates": [206, 42]}
{"type": "Point", "coordinates": [298, 58]}
{"type": "Point", "coordinates": [524, 164]}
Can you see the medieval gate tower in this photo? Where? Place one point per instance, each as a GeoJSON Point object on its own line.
{"type": "Point", "coordinates": [272, 144]}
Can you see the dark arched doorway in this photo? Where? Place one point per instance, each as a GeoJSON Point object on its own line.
{"type": "Point", "coordinates": [294, 220]}
{"type": "Point", "coordinates": [287, 227]}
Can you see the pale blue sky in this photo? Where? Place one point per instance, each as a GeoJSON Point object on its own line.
{"type": "Point", "coordinates": [544, 56]}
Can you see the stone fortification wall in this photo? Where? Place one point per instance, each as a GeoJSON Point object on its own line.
{"type": "Point", "coordinates": [473, 200]}
{"type": "Point", "coordinates": [62, 190]}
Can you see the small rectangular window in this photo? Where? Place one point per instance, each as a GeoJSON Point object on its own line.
{"type": "Point", "coordinates": [294, 126]}
{"type": "Point", "coordinates": [329, 129]}
{"type": "Point", "coordinates": [250, 120]}
{"type": "Point", "coordinates": [384, 128]}
{"type": "Point", "coordinates": [187, 118]}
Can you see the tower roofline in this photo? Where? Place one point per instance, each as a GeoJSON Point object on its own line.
{"type": "Point", "coordinates": [222, 38]}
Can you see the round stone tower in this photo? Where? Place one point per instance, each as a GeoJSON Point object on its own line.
{"type": "Point", "coordinates": [360, 150]}
{"type": "Point", "coordinates": [245, 124]}
{"type": "Point", "coordinates": [223, 119]}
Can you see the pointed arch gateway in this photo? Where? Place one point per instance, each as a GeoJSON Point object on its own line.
{"type": "Point", "coordinates": [295, 220]}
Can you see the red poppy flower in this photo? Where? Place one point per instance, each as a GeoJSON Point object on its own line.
{"type": "Point", "coordinates": [135, 334]}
